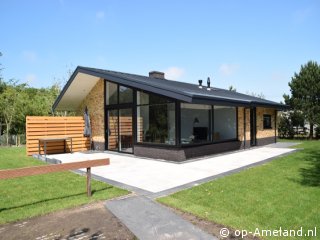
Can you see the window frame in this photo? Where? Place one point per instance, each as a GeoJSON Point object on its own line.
{"type": "Point", "coordinates": [178, 120]}
{"type": "Point", "coordinates": [265, 126]}
{"type": "Point", "coordinates": [170, 101]}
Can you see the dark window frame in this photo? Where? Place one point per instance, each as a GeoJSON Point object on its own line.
{"type": "Point", "coordinates": [170, 101]}
{"type": "Point", "coordinates": [267, 125]}
{"type": "Point", "coordinates": [117, 107]}
{"type": "Point", "coordinates": [211, 140]}
{"type": "Point", "coordinates": [134, 106]}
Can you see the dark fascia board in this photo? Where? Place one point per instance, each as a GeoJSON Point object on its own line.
{"type": "Point", "coordinates": [219, 101]}
{"type": "Point", "coordinates": [184, 97]}
{"type": "Point", "coordinates": [277, 106]}
{"type": "Point", "coordinates": [236, 102]}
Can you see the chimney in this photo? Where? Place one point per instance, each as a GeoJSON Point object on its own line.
{"type": "Point", "coordinates": [156, 74]}
{"type": "Point", "coordinates": [200, 83]}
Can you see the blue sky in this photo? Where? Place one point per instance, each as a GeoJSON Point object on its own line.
{"type": "Point", "coordinates": [256, 46]}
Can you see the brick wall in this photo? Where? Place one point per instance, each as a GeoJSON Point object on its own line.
{"type": "Point", "coordinates": [265, 133]}
{"type": "Point", "coordinates": [95, 103]}
{"type": "Point", "coordinates": [261, 133]}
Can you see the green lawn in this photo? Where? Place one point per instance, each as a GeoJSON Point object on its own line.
{"type": "Point", "coordinates": [37, 195]}
{"type": "Point", "coordinates": [282, 193]}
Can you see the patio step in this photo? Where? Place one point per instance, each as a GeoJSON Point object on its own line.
{"type": "Point", "coordinates": [147, 219]}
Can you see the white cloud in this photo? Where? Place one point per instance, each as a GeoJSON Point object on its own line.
{"type": "Point", "coordinates": [174, 73]}
{"type": "Point", "coordinates": [29, 56]}
{"type": "Point", "coordinates": [30, 78]}
{"type": "Point", "coordinates": [228, 69]}
{"type": "Point", "coordinates": [100, 15]}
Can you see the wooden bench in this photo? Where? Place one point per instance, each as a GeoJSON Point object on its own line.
{"type": "Point", "coordinates": [54, 139]}
{"type": "Point", "coordinates": [37, 170]}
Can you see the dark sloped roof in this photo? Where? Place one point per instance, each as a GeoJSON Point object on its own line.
{"type": "Point", "coordinates": [178, 90]}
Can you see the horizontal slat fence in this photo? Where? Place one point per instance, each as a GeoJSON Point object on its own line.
{"type": "Point", "coordinates": [50, 127]}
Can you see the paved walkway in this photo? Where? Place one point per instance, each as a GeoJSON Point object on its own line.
{"type": "Point", "coordinates": [156, 176]}
{"type": "Point", "coordinates": [151, 221]}
{"type": "Point", "coordinates": [152, 178]}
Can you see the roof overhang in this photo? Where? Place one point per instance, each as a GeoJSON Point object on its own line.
{"type": "Point", "coordinates": [75, 91]}
{"type": "Point", "coordinates": [84, 79]}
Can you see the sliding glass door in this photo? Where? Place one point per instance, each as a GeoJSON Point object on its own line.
{"type": "Point", "coordinates": [120, 130]}
{"type": "Point", "coordinates": [113, 133]}
{"type": "Point", "coordinates": [119, 124]}
{"type": "Point", "coordinates": [125, 130]}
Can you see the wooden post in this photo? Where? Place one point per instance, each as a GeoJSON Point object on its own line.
{"type": "Point", "coordinates": [89, 182]}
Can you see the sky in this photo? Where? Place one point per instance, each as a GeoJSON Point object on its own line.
{"type": "Point", "coordinates": [255, 46]}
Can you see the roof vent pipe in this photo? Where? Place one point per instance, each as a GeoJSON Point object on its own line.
{"type": "Point", "coordinates": [208, 83]}
{"type": "Point", "coordinates": [200, 83]}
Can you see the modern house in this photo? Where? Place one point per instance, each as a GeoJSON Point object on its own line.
{"type": "Point", "coordinates": [154, 117]}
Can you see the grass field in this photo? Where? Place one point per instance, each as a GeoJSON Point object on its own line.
{"type": "Point", "coordinates": [37, 195]}
{"type": "Point", "coordinates": [282, 193]}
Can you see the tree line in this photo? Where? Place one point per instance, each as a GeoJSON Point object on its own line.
{"type": "Point", "coordinates": [17, 100]}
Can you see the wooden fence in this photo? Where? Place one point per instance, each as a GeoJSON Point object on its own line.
{"type": "Point", "coordinates": [41, 127]}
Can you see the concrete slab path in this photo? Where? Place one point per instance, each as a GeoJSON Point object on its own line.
{"type": "Point", "coordinates": [147, 219]}
{"type": "Point", "coordinates": [157, 176]}
{"type": "Point", "coordinates": [151, 221]}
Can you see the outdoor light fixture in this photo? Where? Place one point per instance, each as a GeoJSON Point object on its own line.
{"type": "Point", "coordinates": [208, 83]}
{"type": "Point", "coordinates": [196, 120]}
{"type": "Point", "coordinates": [200, 83]}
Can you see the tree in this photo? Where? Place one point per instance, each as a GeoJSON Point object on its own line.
{"type": "Point", "coordinates": [11, 104]}
{"type": "Point", "coordinates": [2, 87]}
{"type": "Point", "coordinates": [305, 93]}
{"type": "Point", "coordinates": [285, 127]}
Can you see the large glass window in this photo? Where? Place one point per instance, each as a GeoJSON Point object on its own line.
{"type": "Point", "coordinates": [195, 123]}
{"type": "Point", "coordinates": [113, 130]}
{"type": "Point", "coordinates": [225, 123]}
{"type": "Point", "coordinates": [125, 95]}
{"type": "Point", "coordinates": [155, 119]}
{"type": "Point", "coordinates": [111, 93]}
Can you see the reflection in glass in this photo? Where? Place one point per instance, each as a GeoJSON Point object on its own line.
{"type": "Point", "coordinates": [225, 123]}
{"type": "Point", "coordinates": [125, 95]}
{"type": "Point", "coordinates": [155, 122]}
{"type": "Point", "coordinates": [111, 93]}
{"type": "Point", "coordinates": [125, 129]}
{"type": "Point", "coordinates": [195, 123]}
{"type": "Point", "coordinates": [112, 130]}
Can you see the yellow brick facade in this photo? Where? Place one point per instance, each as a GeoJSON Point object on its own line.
{"type": "Point", "coordinates": [95, 103]}
{"type": "Point", "coordinates": [265, 133]}
{"type": "Point", "coordinates": [261, 133]}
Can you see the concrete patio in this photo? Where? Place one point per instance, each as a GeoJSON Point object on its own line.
{"type": "Point", "coordinates": [157, 176]}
